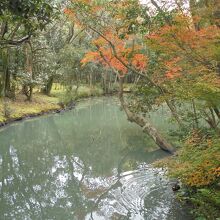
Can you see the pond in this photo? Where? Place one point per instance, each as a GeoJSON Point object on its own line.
{"type": "Point", "coordinates": [88, 163]}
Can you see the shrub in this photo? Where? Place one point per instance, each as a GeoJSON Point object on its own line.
{"type": "Point", "coordinates": [197, 165]}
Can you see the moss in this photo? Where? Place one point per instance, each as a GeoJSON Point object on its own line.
{"type": "Point", "coordinates": [42, 103]}
{"type": "Point", "coordinates": [21, 108]}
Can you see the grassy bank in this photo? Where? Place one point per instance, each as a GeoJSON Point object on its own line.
{"type": "Point", "coordinates": [65, 96]}
{"type": "Point", "coordinates": [19, 108]}
{"type": "Point", "coordinates": [197, 166]}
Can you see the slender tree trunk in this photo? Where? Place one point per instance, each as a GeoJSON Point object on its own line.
{"type": "Point", "coordinates": [5, 76]}
{"type": "Point", "coordinates": [144, 123]}
{"type": "Point", "coordinates": [105, 84]}
{"type": "Point", "coordinates": [90, 79]}
{"type": "Point", "coordinates": [48, 86]}
{"type": "Point", "coordinates": [174, 113]}
{"type": "Point", "coordinates": [30, 93]}
{"type": "Point", "coordinates": [29, 68]}
{"type": "Point", "coordinates": [7, 82]}
{"type": "Point", "coordinates": [193, 7]}
{"type": "Point", "coordinates": [213, 118]}
{"type": "Point", "coordinates": [216, 110]}
{"type": "Point", "coordinates": [195, 115]}
{"type": "Point", "coordinates": [14, 76]}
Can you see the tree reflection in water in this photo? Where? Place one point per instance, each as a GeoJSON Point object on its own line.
{"type": "Point", "coordinates": [79, 165]}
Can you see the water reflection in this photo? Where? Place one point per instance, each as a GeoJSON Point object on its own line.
{"type": "Point", "coordinates": [82, 165]}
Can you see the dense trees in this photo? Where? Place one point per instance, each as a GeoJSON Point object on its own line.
{"type": "Point", "coordinates": [173, 53]}
{"type": "Point", "coordinates": [20, 20]}
{"type": "Point", "coordinates": [39, 46]}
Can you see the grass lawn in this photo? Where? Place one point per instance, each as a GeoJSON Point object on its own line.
{"type": "Point", "coordinates": [19, 108]}
{"type": "Point", "coordinates": [11, 110]}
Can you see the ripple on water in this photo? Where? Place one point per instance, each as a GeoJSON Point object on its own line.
{"type": "Point", "coordinates": [142, 194]}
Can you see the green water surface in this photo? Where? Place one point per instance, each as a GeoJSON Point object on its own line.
{"type": "Point", "coordinates": [88, 163]}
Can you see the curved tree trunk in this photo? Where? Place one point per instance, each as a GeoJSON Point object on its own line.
{"type": "Point", "coordinates": [144, 123]}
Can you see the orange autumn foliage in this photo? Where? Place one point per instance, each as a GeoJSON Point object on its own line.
{"type": "Point", "coordinates": [119, 59]}
{"type": "Point", "coordinates": [139, 61]}
{"type": "Point", "coordinates": [198, 163]}
{"type": "Point", "coordinates": [203, 175]}
{"type": "Point", "coordinates": [173, 70]}
{"type": "Point", "coordinates": [69, 13]}
{"type": "Point", "coordinates": [195, 47]}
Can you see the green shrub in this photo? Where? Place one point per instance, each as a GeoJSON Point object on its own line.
{"type": "Point", "coordinates": [83, 92]}
{"type": "Point", "coordinates": [197, 165]}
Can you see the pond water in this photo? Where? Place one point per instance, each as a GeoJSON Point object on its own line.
{"type": "Point", "coordinates": [88, 163]}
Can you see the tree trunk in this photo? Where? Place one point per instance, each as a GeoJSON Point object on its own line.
{"type": "Point", "coordinates": [48, 86]}
{"type": "Point", "coordinates": [5, 78]}
{"type": "Point", "coordinates": [216, 110]}
{"type": "Point", "coordinates": [30, 93]}
{"type": "Point", "coordinates": [105, 84]}
{"type": "Point", "coordinates": [174, 113]}
{"type": "Point", "coordinates": [7, 82]}
{"type": "Point", "coordinates": [1, 75]}
{"type": "Point", "coordinates": [90, 79]}
{"type": "Point", "coordinates": [195, 115]}
{"type": "Point", "coordinates": [144, 123]}
{"type": "Point", "coordinates": [29, 69]}
{"type": "Point", "coordinates": [193, 11]}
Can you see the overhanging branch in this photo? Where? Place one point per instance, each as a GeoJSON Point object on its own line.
{"type": "Point", "coordinates": [15, 42]}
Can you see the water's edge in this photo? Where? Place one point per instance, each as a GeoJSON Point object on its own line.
{"type": "Point", "coordinates": [88, 163]}
{"type": "Point", "coordinates": [70, 106]}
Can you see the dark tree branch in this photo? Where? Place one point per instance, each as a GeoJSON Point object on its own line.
{"type": "Point", "coordinates": [143, 74]}
{"type": "Point", "coordinates": [15, 42]}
